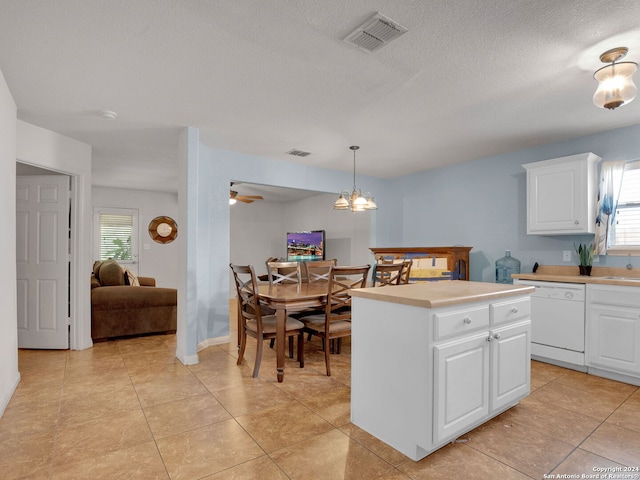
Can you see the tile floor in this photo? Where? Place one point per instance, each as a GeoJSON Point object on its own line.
{"type": "Point", "coordinates": [127, 409]}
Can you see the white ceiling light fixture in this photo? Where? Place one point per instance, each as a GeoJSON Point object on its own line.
{"type": "Point", "coordinates": [616, 87]}
{"type": "Point", "coordinates": [108, 115]}
{"type": "Point", "coordinates": [356, 201]}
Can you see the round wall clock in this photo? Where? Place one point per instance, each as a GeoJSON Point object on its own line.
{"type": "Point", "coordinates": [163, 229]}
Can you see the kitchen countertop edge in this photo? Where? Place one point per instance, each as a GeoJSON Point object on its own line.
{"type": "Point", "coordinates": [441, 294]}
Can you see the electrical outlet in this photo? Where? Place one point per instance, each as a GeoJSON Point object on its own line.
{"type": "Point", "coordinates": [566, 255]}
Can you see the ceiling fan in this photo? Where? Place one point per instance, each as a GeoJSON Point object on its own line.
{"type": "Point", "coordinates": [234, 197]}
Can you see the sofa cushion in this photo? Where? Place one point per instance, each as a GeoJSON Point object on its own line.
{"type": "Point", "coordinates": [110, 274]}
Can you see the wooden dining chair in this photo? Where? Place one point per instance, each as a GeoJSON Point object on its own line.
{"type": "Point", "coordinates": [284, 272]}
{"type": "Point", "coordinates": [406, 271]}
{"type": "Point", "coordinates": [318, 270]}
{"type": "Point", "coordinates": [386, 274]}
{"type": "Point", "coordinates": [256, 325]}
{"type": "Point", "coordinates": [335, 322]}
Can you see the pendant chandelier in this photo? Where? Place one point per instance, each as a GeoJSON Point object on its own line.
{"type": "Point", "coordinates": [356, 201]}
{"type": "Point", "coordinates": [616, 87]}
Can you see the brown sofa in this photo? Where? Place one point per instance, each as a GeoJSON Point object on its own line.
{"type": "Point", "coordinates": [119, 309]}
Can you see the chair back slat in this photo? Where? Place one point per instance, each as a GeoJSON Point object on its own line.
{"type": "Point", "coordinates": [318, 270]}
{"type": "Point", "coordinates": [284, 272]}
{"type": "Point", "coordinates": [406, 271]}
{"type": "Point", "coordinates": [246, 292]}
{"type": "Point", "coordinates": [341, 281]}
{"type": "Point", "coordinates": [387, 274]}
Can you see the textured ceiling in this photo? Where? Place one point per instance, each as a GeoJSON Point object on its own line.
{"type": "Point", "coordinates": [470, 79]}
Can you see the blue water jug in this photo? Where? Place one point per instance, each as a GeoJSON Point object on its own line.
{"type": "Point", "coordinates": [505, 267]}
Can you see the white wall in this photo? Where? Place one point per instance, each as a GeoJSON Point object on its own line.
{"type": "Point", "coordinates": [155, 260]}
{"type": "Point", "coordinates": [482, 204]}
{"type": "Point", "coordinates": [9, 376]}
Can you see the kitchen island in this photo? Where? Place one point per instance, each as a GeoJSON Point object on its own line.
{"type": "Point", "coordinates": [431, 361]}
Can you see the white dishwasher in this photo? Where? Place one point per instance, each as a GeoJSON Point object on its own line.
{"type": "Point", "coordinates": [557, 323]}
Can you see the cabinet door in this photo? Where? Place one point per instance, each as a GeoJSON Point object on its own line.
{"type": "Point", "coordinates": [557, 199]}
{"type": "Point", "coordinates": [510, 364]}
{"type": "Point", "coordinates": [614, 338]}
{"type": "Point", "coordinates": [461, 385]}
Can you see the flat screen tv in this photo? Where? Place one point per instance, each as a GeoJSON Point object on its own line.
{"type": "Point", "coordinates": [305, 246]}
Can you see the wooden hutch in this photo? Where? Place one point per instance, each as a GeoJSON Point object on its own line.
{"type": "Point", "coordinates": [430, 263]}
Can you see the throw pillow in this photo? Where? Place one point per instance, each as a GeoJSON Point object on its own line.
{"type": "Point", "coordinates": [130, 278]}
{"type": "Point", "coordinates": [110, 273]}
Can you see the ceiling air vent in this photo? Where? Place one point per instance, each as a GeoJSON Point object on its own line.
{"type": "Point", "coordinates": [298, 153]}
{"type": "Point", "coordinates": [375, 33]}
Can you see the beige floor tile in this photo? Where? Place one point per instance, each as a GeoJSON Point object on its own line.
{"type": "Point", "coordinates": [183, 415]}
{"type": "Point", "coordinates": [28, 417]}
{"type": "Point", "coordinates": [35, 359]}
{"type": "Point", "coordinates": [282, 426]}
{"type": "Point", "coordinates": [216, 379]}
{"type": "Point", "coordinates": [593, 383]}
{"type": "Point", "coordinates": [146, 362]}
{"type": "Point", "coordinates": [627, 416]}
{"type": "Point", "coordinates": [246, 399]}
{"type": "Point", "coordinates": [543, 373]}
{"type": "Point", "coordinates": [147, 344]}
{"type": "Point", "coordinates": [158, 371]}
{"type": "Point", "coordinates": [372, 443]}
{"type": "Point", "coordinates": [262, 468]}
{"type": "Point", "coordinates": [78, 442]}
{"type": "Point", "coordinates": [544, 416]}
{"type": "Point", "coordinates": [307, 383]}
{"type": "Point", "coordinates": [334, 405]}
{"type": "Point", "coordinates": [157, 392]}
{"type": "Point", "coordinates": [37, 392]}
{"type": "Point", "coordinates": [207, 450]}
{"type": "Point", "coordinates": [331, 455]}
{"type": "Point", "coordinates": [618, 444]}
{"type": "Point", "coordinates": [581, 462]}
{"type": "Point", "coordinates": [140, 462]}
{"type": "Point", "coordinates": [593, 404]}
{"type": "Point", "coordinates": [27, 455]}
{"type": "Point", "coordinates": [522, 448]}
{"type": "Point", "coordinates": [393, 475]}
{"type": "Point", "coordinates": [456, 460]}
{"type": "Point", "coordinates": [104, 366]}
{"type": "Point", "coordinates": [81, 405]}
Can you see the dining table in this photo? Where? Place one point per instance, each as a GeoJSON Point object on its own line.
{"type": "Point", "coordinates": [286, 298]}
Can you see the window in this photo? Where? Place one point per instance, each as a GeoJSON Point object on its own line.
{"type": "Point", "coordinates": [116, 234]}
{"type": "Point", "coordinates": [624, 235]}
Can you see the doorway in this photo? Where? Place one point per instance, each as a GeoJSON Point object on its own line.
{"type": "Point", "coordinates": [43, 257]}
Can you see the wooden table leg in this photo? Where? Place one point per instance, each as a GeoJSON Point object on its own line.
{"type": "Point", "coordinates": [281, 315]}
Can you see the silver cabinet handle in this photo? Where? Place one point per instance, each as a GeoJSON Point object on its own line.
{"type": "Point", "coordinates": [466, 320]}
{"type": "Point", "coordinates": [489, 338]}
{"type": "Point", "coordinates": [497, 336]}
{"type": "Point", "coordinates": [577, 222]}
{"type": "Point", "coordinates": [514, 310]}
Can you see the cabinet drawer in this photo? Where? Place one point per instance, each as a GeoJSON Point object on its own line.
{"type": "Point", "coordinates": [460, 321]}
{"type": "Point", "coordinates": [510, 310]}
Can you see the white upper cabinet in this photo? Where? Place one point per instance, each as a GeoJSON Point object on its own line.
{"type": "Point", "coordinates": [562, 195]}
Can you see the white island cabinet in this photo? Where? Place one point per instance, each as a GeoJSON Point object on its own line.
{"type": "Point", "coordinates": [431, 361]}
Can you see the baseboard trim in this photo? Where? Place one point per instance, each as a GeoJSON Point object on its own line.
{"type": "Point", "coordinates": [211, 342]}
{"type": "Point", "coordinates": [4, 402]}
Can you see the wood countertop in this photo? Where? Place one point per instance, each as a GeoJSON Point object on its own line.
{"type": "Point", "coordinates": [569, 274]}
{"type": "Point", "coordinates": [442, 293]}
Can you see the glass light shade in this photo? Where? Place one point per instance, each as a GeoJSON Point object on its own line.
{"type": "Point", "coordinates": [616, 87]}
{"type": "Point", "coordinates": [371, 204]}
{"type": "Point", "coordinates": [232, 201]}
{"type": "Point", "coordinates": [341, 203]}
{"type": "Point", "coordinates": [360, 201]}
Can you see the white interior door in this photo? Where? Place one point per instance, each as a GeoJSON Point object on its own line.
{"type": "Point", "coordinates": [42, 255]}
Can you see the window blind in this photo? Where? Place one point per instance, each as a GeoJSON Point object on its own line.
{"type": "Point", "coordinates": [115, 236]}
{"type": "Point", "coordinates": [626, 230]}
